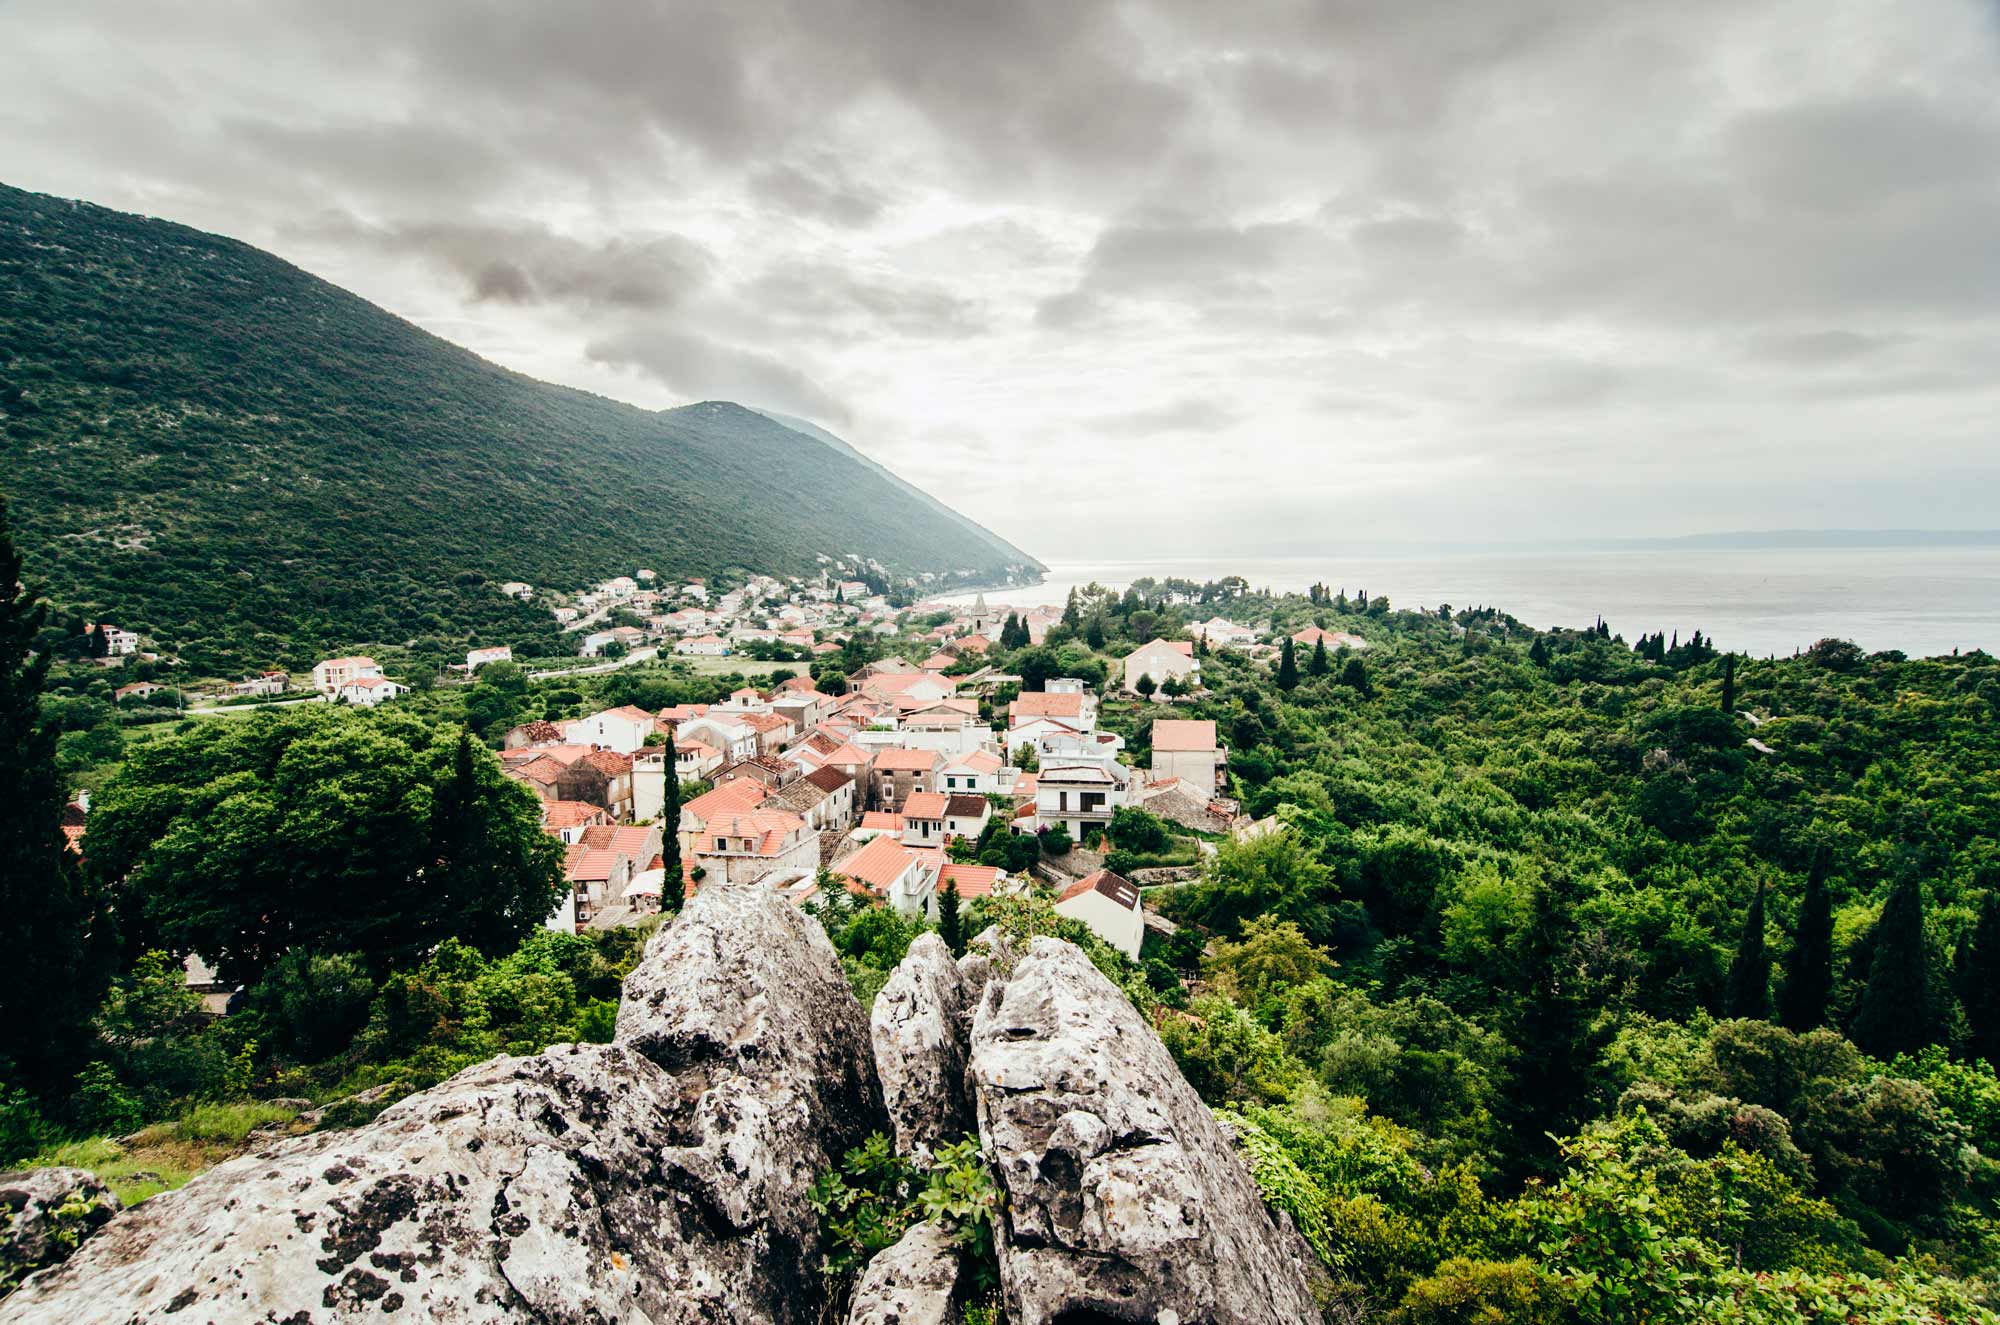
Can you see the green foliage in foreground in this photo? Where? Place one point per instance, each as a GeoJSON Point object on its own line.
{"type": "Point", "coordinates": [255, 467]}
{"type": "Point", "coordinates": [873, 1196]}
{"type": "Point", "coordinates": [325, 829]}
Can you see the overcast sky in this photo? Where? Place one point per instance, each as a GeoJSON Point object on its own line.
{"type": "Point", "coordinates": [1145, 278]}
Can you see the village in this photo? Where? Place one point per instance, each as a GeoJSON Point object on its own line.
{"type": "Point", "coordinates": [885, 783]}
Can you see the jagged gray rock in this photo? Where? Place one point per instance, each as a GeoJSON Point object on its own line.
{"type": "Point", "coordinates": [661, 1178]}
{"type": "Point", "coordinates": [917, 1026]}
{"type": "Point", "coordinates": [909, 1284]}
{"type": "Point", "coordinates": [45, 1214]}
{"type": "Point", "coordinates": [1124, 1196]}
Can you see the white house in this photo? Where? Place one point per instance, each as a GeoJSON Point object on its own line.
{"type": "Point", "coordinates": [702, 646]}
{"type": "Point", "coordinates": [1110, 906]}
{"type": "Point", "coordinates": [1072, 708]}
{"type": "Point", "coordinates": [1187, 750]}
{"type": "Point", "coordinates": [892, 871]}
{"type": "Point", "coordinates": [978, 772]}
{"type": "Point", "coordinates": [623, 729]}
{"type": "Point", "coordinates": [1162, 660]}
{"type": "Point", "coordinates": [119, 642]}
{"type": "Point", "coordinates": [735, 738]}
{"type": "Point", "coordinates": [477, 658]}
{"type": "Point", "coordinates": [745, 847]}
{"type": "Point", "coordinates": [368, 691]}
{"type": "Point", "coordinates": [331, 675]}
{"type": "Point", "coordinates": [1080, 796]}
{"type": "Point", "coordinates": [1220, 633]}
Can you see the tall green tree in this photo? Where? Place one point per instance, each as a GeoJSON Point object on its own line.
{"type": "Point", "coordinates": [1355, 677]}
{"type": "Point", "coordinates": [1898, 1011]}
{"type": "Point", "coordinates": [1750, 972]}
{"type": "Point", "coordinates": [53, 975]}
{"type": "Point", "coordinates": [325, 828]}
{"type": "Point", "coordinates": [1978, 978]}
{"type": "Point", "coordinates": [1318, 665]}
{"type": "Point", "coordinates": [1288, 667]}
{"type": "Point", "coordinates": [672, 890]}
{"type": "Point", "coordinates": [1809, 969]}
{"type": "Point", "coordinates": [951, 926]}
{"type": "Point", "coordinates": [1554, 1044]}
{"type": "Point", "coordinates": [1729, 683]}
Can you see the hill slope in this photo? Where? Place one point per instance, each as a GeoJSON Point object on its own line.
{"type": "Point", "coordinates": [253, 464]}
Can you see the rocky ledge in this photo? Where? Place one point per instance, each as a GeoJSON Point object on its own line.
{"type": "Point", "coordinates": [663, 1178]}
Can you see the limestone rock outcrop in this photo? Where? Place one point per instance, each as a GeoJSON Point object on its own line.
{"type": "Point", "coordinates": [918, 1031]}
{"type": "Point", "coordinates": [659, 1178]}
{"type": "Point", "coordinates": [664, 1178]}
{"type": "Point", "coordinates": [909, 1284]}
{"type": "Point", "coordinates": [1125, 1199]}
{"type": "Point", "coordinates": [44, 1213]}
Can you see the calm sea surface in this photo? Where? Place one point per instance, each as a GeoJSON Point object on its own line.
{"type": "Point", "coordinates": [1920, 600]}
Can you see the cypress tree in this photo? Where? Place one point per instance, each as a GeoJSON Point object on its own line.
{"type": "Point", "coordinates": [53, 976]}
{"type": "Point", "coordinates": [1538, 653]}
{"type": "Point", "coordinates": [1355, 677]}
{"type": "Point", "coordinates": [1288, 667]}
{"type": "Point", "coordinates": [1729, 683]}
{"type": "Point", "coordinates": [1318, 666]}
{"type": "Point", "coordinates": [1072, 617]}
{"type": "Point", "coordinates": [672, 893]}
{"type": "Point", "coordinates": [1093, 634]}
{"type": "Point", "coordinates": [1809, 972]}
{"type": "Point", "coordinates": [1552, 1036]}
{"type": "Point", "coordinates": [1750, 973]}
{"type": "Point", "coordinates": [1898, 1010]}
{"type": "Point", "coordinates": [950, 927]}
{"type": "Point", "coordinates": [1979, 982]}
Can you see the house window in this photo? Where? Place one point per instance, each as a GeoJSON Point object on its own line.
{"type": "Point", "coordinates": [722, 844]}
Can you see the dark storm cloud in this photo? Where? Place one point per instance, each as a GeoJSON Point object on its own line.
{"type": "Point", "coordinates": [532, 265]}
{"type": "Point", "coordinates": [1538, 237]}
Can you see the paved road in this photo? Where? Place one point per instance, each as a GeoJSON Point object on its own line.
{"type": "Point", "coordinates": [645, 654]}
{"type": "Point", "coordinates": [211, 710]}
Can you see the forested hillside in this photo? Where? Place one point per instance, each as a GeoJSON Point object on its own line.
{"type": "Point", "coordinates": [251, 465]}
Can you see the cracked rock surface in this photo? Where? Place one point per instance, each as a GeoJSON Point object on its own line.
{"type": "Point", "coordinates": [920, 1048]}
{"type": "Point", "coordinates": [661, 1178]}
{"type": "Point", "coordinates": [1125, 1199]}
{"type": "Point", "coordinates": [909, 1284]}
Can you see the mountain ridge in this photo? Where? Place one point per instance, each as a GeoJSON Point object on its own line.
{"type": "Point", "coordinates": [250, 463]}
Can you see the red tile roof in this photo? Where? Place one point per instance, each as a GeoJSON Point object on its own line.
{"type": "Point", "coordinates": [1183, 735]}
{"type": "Point", "coordinates": [973, 880]}
{"type": "Point", "coordinates": [1114, 886]}
{"type": "Point", "coordinates": [907, 761]}
{"type": "Point", "coordinates": [924, 805]}
{"type": "Point", "coordinates": [879, 864]}
{"type": "Point", "coordinates": [1041, 704]}
{"type": "Point", "coordinates": [729, 798]}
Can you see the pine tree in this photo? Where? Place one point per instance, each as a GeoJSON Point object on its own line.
{"type": "Point", "coordinates": [1552, 1035]}
{"type": "Point", "coordinates": [1729, 684]}
{"type": "Point", "coordinates": [1979, 982]}
{"type": "Point", "coordinates": [1093, 634]}
{"type": "Point", "coordinates": [100, 641]}
{"type": "Point", "coordinates": [54, 976]}
{"type": "Point", "coordinates": [1072, 617]}
{"type": "Point", "coordinates": [1288, 667]}
{"type": "Point", "coordinates": [1898, 1011]}
{"type": "Point", "coordinates": [1809, 971]}
{"type": "Point", "coordinates": [1750, 973]}
{"type": "Point", "coordinates": [950, 927]}
{"type": "Point", "coordinates": [672, 888]}
{"type": "Point", "coordinates": [1538, 653]}
{"type": "Point", "coordinates": [1318, 665]}
{"type": "Point", "coordinates": [1355, 677]}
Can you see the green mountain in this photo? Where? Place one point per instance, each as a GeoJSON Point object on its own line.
{"type": "Point", "coordinates": [250, 464]}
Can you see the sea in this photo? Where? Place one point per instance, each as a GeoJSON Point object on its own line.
{"type": "Point", "coordinates": [1923, 601]}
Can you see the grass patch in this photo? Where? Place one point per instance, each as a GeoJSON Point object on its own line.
{"type": "Point", "coordinates": [165, 1155]}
